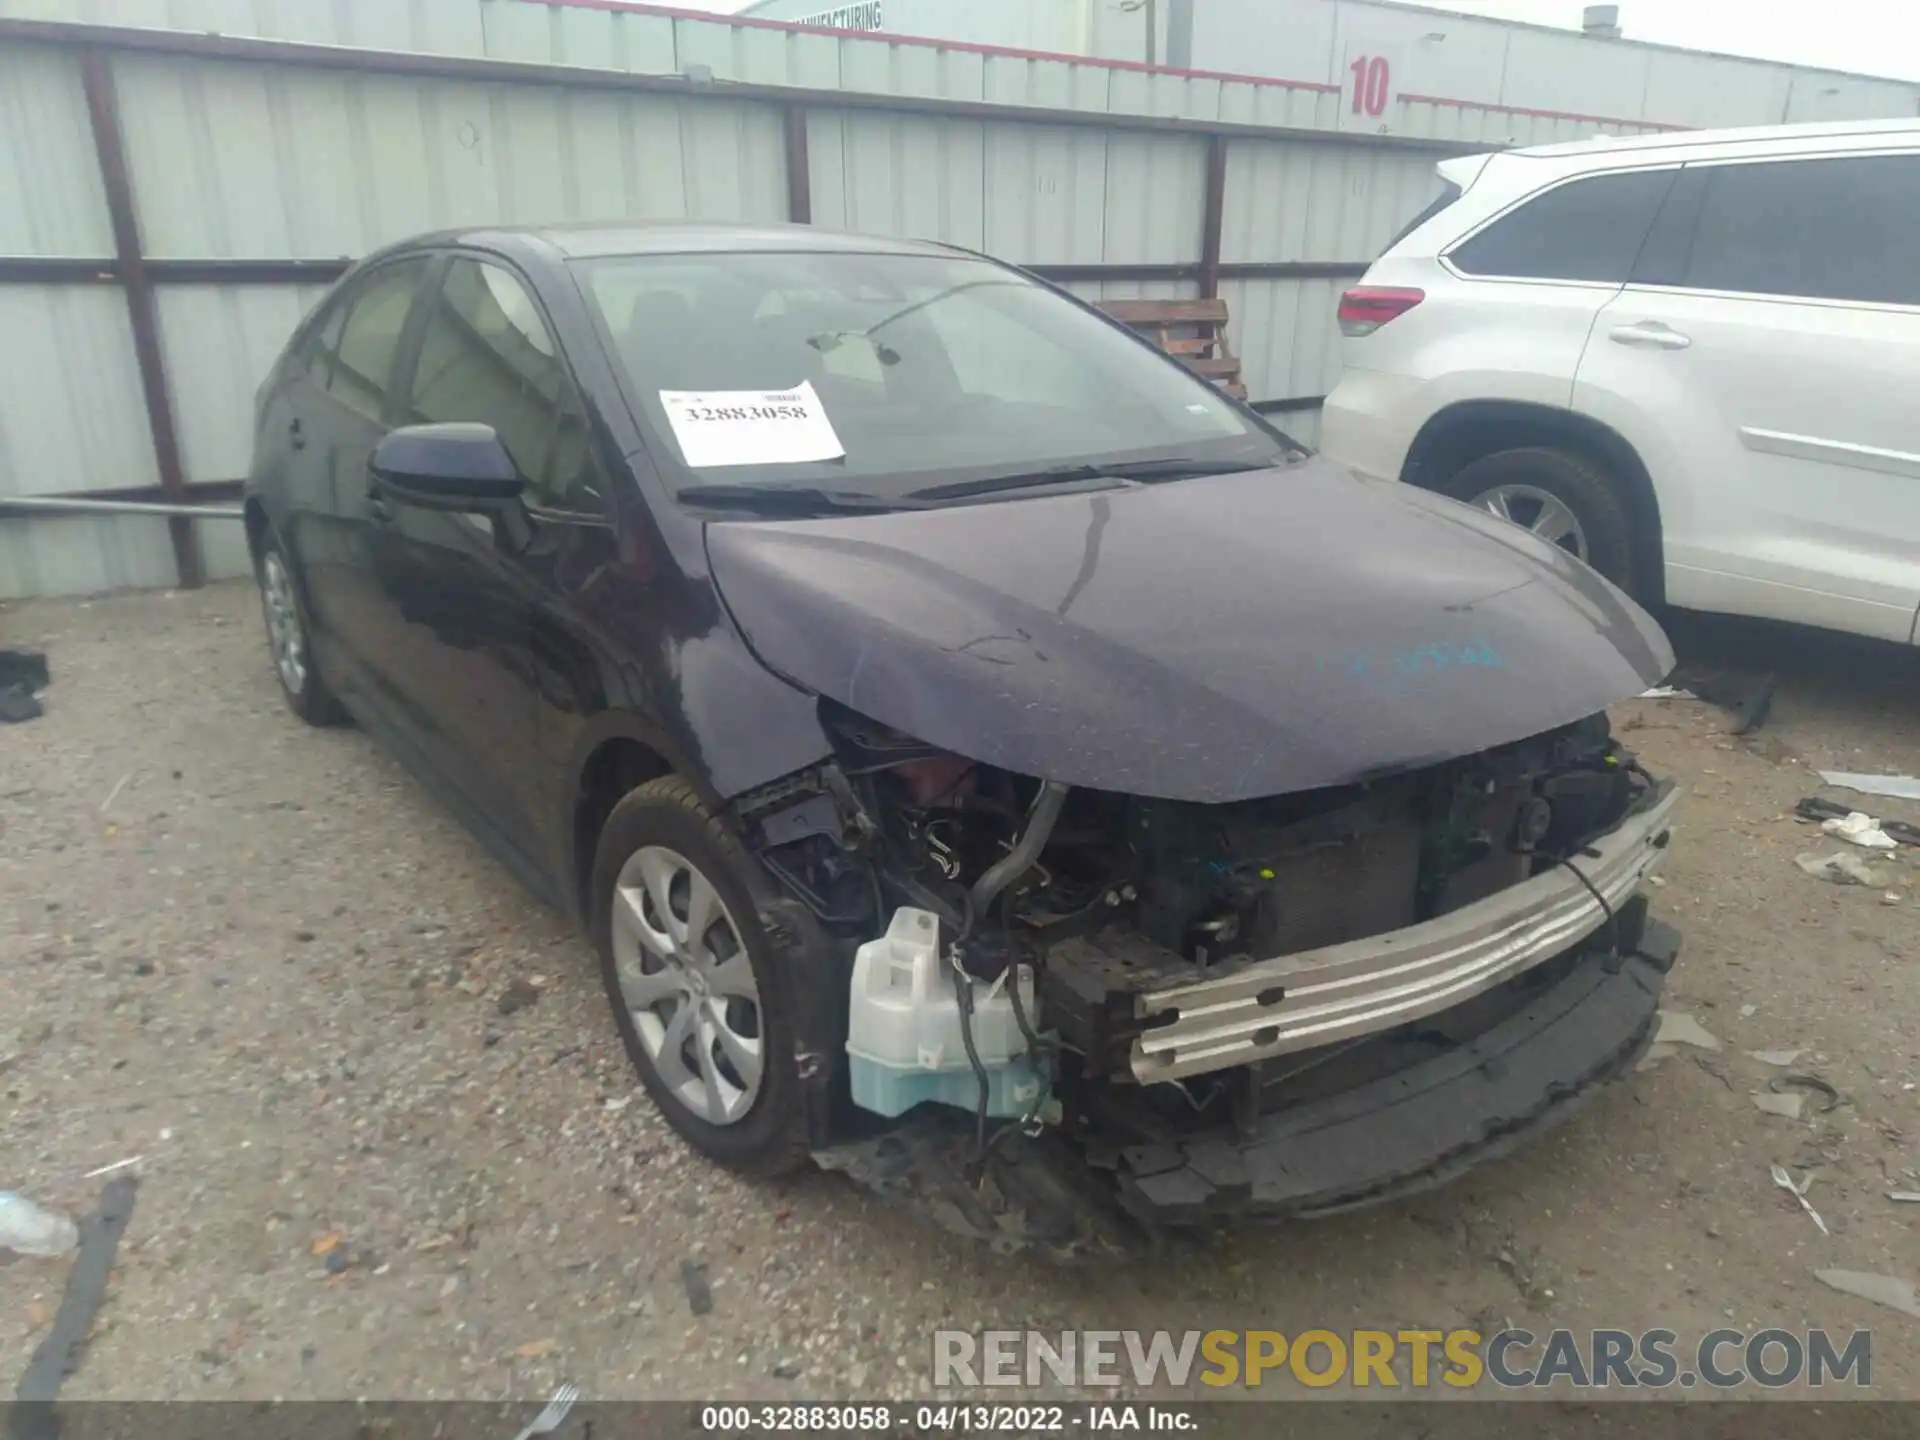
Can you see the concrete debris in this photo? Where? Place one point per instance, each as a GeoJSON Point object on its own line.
{"type": "Point", "coordinates": [1888, 1290]}
{"type": "Point", "coordinates": [1904, 1197]}
{"type": "Point", "coordinates": [1842, 869]}
{"type": "Point", "coordinates": [1679, 1028]}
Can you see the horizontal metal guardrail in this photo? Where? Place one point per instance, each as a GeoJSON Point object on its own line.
{"type": "Point", "coordinates": [1319, 997]}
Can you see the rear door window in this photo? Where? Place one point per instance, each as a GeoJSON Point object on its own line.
{"type": "Point", "coordinates": [362, 368]}
{"type": "Point", "coordinates": [1822, 229]}
{"type": "Point", "coordinates": [1588, 230]}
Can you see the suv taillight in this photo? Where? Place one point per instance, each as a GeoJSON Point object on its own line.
{"type": "Point", "coordinates": [1365, 308]}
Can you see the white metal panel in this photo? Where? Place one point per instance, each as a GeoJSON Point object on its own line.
{"type": "Point", "coordinates": [1703, 90]}
{"type": "Point", "coordinates": [1154, 192]}
{"type": "Point", "coordinates": [51, 201]}
{"type": "Point", "coordinates": [71, 413]}
{"type": "Point", "coordinates": [218, 342]}
{"type": "Point", "coordinates": [1572, 73]}
{"type": "Point", "coordinates": [1302, 200]}
{"type": "Point", "coordinates": [1046, 194]}
{"type": "Point", "coordinates": [82, 555]}
{"type": "Point", "coordinates": [256, 162]}
{"type": "Point", "coordinates": [1285, 334]}
{"type": "Point", "coordinates": [1817, 95]}
{"type": "Point", "coordinates": [899, 175]}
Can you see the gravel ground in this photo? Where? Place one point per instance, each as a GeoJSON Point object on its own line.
{"type": "Point", "coordinates": [262, 958]}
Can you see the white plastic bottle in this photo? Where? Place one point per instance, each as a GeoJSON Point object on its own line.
{"type": "Point", "coordinates": [31, 1229]}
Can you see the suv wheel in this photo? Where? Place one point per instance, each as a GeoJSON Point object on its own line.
{"type": "Point", "coordinates": [306, 693]}
{"type": "Point", "coordinates": [699, 1001]}
{"type": "Point", "coordinates": [1564, 498]}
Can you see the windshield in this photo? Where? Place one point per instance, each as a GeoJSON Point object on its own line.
{"type": "Point", "coordinates": [886, 375]}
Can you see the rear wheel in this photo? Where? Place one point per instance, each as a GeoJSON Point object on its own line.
{"type": "Point", "coordinates": [1565, 498]}
{"type": "Point", "coordinates": [700, 1003]}
{"type": "Point", "coordinates": [288, 638]}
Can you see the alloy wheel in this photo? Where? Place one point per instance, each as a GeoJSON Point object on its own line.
{"type": "Point", "coordinates": [1536, 510]}
{"type": "Point", "coordinates": [285, 633]}
{"type": "Point", "coordinates": [688, 982]}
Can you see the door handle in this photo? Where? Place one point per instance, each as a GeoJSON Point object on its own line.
{"type": "Point", "coordinates": [1650, 335]}
{"type": "Point", "coordinates": [296, 434]}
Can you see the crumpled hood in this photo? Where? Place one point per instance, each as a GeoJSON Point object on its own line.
{"type": "Point", "coordinates": [1208, 640]}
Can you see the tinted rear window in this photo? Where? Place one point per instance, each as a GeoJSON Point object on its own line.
{"type": "Point", "coordinates": [1815, 229]}
{"type": "Point", "coordinates": [1584, 230]}
{"type": "Point", "coordinates": [1444, 200]}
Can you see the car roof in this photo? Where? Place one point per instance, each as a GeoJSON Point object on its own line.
{"type": "Point", "coordinates": [1600, 145]}
{"type": "Point", "coordinates": [598, 240]}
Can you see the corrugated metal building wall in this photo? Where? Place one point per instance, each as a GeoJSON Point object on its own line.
{"type": "Point", "coordinates": [264, 143]}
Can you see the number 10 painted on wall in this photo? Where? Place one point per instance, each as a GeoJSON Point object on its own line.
{"type": "Point", "coordinates": [1372, 80]}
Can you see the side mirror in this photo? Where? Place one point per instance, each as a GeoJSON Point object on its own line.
{"type": "Point", "coordinates": [448, 467]}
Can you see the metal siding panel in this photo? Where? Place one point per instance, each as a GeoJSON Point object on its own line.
{"type": "Point", "coordinates": [1045, 194]}
{"type": "Point", "coordinates": [1155, 192]}
{"type": "Point", "coordinates": [899, 175]}
{"type": "Point", "coordinates": [325, 165]}
{"type": "Point", "coordinates": [1706, 90]}
{"type": "Point", "coordinates": [51, 201]}
{"type": "Point", "coordinates": [1285, 334]}
{"type": "Point", "coordinates": [82, 555]}
{"type": "Point", "coordinates": [71, 413]}
{"type": "Point", "coordinates": [219, 341]}
{"type": "Point", "coordinates": [643, 45]}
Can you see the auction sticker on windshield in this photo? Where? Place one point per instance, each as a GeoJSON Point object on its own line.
{"type": "Point", "coordinates": [751, 427]}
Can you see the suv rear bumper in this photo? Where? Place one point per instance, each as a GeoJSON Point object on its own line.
{"type": "Point", "coordinates": [1369, 421]}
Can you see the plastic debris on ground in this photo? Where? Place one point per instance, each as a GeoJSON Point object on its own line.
{"type": "Point", "coordinates": [1679, 1028]}
{"type": "Point", "coordinates": [1859, 828]}
{"type": "Point", "coordinates": [1780, 1058]}
{"type": "Point", "coordinates": [1782, 1084]}
{"type": "Point", "coordinates": [1799, 1193]}
{"type": "Point", "coordinates": [1787, 1107]}
{"type": "Point", "coordinates": [1904, 1197]}
{"type": "Point", "coordinates": [1667, 692]}
{"type": "Point", "coordinates": [30, 1229]}
{"type": "Point", "coordinates": [1815, 807]}
{"type": "Point", "coordinates": [1842, 869]}
{"type": "Point", "coordinates": [23, 674]}
{"type": "Point", "coordinates": [1888, 1290]}
{"type": "Point", "coordinates": [1894, 787]}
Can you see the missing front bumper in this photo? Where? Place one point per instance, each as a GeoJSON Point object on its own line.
{"type": "Point", "coordinates": [1412, 1128]}
{"type": "Point", "coordinates": [1319, 997]}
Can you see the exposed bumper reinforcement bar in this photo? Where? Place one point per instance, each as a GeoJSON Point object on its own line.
{"type": "Point", "coordinates": [1318, 997]}
{"type": "Point", "coordinates": [1419, 1127]}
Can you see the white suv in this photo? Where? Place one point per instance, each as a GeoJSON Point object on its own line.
{"type": "Point", "coordinates": [1691, 359]}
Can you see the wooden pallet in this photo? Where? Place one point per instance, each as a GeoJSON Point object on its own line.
{"type": "Point", "coordinates": [1195, 331]}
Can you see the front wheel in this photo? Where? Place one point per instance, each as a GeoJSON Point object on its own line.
{"type": "Point", "coordinates": [1565, 498]}
{"type": "Point", "coordinates": [700, 1002]}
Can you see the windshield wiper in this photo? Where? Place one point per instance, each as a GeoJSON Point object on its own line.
{"type": "Point", "coordinates": [1139, 471]}
{"type": "Point", "coordinates": [789, 500]}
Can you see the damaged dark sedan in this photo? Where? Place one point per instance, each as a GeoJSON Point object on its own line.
{"type": "Point", "coordinates": [989, 760]}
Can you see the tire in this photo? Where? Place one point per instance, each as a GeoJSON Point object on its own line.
{"type": "Point", "coordinates": [285, 611]}
{"type": "Point", "coordinates": [759, 1134]}
{"type": "Point", "coordinates": [1583, 486]}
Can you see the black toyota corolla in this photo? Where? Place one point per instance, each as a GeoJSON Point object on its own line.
{"type": "Point", "coordinates": [988, 759]}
